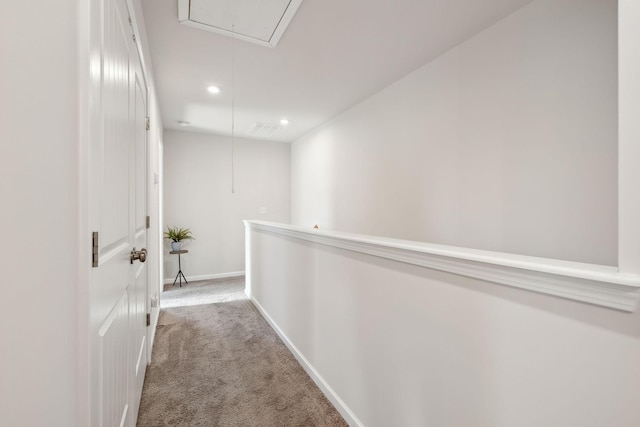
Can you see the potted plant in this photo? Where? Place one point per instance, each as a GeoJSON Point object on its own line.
{"type": "Point", "coordinates": [176, 235]}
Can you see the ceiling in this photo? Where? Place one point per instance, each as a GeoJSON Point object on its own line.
{"type": "Point", "coordinates": [334, 54]}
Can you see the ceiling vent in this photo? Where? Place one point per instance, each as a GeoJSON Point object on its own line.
{"type": "Point", "coordinates": [264, 130]}
{"type": "Point", "coordinates": [256, 21]}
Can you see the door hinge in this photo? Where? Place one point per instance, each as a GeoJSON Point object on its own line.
{"type": "Point", "coordinates": [148, 121]}
{"type": "Point", "coordinates": [148, 319]}
{"type": "Point", "coordinates": [94, 249]}
{"type": "Point", "coordinates": [130, 22]}
{"type": "Point", "coordinates": [134, 37]}
{"type": "Point", "coordinates": [148, 221]}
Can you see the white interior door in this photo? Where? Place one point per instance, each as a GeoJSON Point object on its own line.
{"type": "Point", "coordinates": [118, 214]}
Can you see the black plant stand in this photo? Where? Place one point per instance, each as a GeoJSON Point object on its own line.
{"type": "Point", "coordinates": [180, 274]}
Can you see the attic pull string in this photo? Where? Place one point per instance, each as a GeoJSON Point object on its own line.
{"type": "Point", "coordinates": [233, 110]}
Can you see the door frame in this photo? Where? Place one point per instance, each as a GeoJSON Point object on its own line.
{"type": "Point", "coordinates": [154, 189]}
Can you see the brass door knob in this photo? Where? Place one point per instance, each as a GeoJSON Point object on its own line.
{"type": "Point", "coordinates": [140, 255]}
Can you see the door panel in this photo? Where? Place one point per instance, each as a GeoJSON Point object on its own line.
{"type": "Point", "coordinates": [114, 354]}
{"type": "Point", "coordinates": [116, 124]}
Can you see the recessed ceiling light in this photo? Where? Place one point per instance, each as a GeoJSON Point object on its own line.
{"type": "Point", "coordinates": [183, 123]}
{"type": "Point", "coordinates": [284, 122]}
{"type": "Point", "coordinates": [213, 89]}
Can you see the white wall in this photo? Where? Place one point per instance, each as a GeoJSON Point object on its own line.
{"type": "Point", "coordinates": [197, 195]}
{"type": "Point", "coordinates": [403, 345]}
{"type": "Point", "coordinates": [39, 212]}
{"type": "Point", "coordinates": [505, 143]}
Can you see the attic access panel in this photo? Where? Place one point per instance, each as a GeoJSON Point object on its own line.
{"type": "Point", "coordinates": [257, 21]}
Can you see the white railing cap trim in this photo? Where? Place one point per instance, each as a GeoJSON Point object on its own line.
{"type": "Point", "coordinates": [597, 284]}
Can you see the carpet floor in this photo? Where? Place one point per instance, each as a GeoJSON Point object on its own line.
{"type": "Point", "coordinates": [217, 362]}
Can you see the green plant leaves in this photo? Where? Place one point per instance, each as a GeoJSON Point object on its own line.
{"type": "Point", "coordinates": [177, 234]}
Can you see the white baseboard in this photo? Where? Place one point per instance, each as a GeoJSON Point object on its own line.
{"type": "Point", "coordinates": [207, 276]}
{"type": "Point", "coordinates": [342, 407]}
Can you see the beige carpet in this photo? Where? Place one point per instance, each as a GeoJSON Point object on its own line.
{"type": "Point", "coordinates": [217, 362]}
